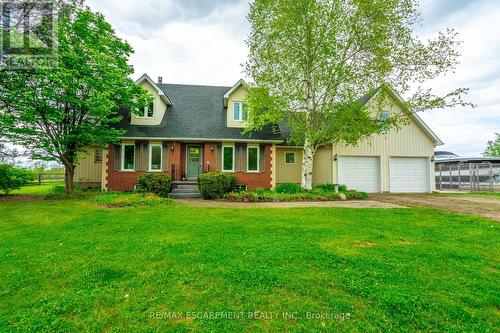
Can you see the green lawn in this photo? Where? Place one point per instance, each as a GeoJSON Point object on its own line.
{"type": "Point", "coordinates": [43, 189]}
{"type": "Point", "coordinates": [70, 266]}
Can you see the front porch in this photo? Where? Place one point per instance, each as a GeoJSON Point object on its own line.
{"type": "Point", "coordinates": [184, 161]}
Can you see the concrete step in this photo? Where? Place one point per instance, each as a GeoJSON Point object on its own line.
{"type": "Point", "coordinates": [185, 190]}
{"type": "Point", "coordinates": [184, 195]}
{"type": "Point", "coordinates": [187, 186]}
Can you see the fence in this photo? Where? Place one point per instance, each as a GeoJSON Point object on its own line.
{"type": "Point", "coordinates": [474, 177]}
{"type": "Point", "coordinates": [49, 177]}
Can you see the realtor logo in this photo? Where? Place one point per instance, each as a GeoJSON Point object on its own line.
{"type": "Point", "coordinates": [28, 34]}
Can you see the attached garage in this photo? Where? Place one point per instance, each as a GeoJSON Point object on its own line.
{"type": "Point", "coordinates": [360, 172]}
{"type": "Point", "coordinates": [409, 174]}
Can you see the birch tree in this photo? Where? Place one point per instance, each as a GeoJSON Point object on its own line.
{"type": "Point", "coordinates": [311, 61]}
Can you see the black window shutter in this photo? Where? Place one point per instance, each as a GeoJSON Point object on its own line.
{"type": "Point", "coordinates": [262, 158]}
{"type": "Point", "coordinates": [117, 163]}
{"type": "Point", "coordinates": [219, 157]}
{"type": "Point", "coordinates": [138, 157]}
{"type": "Point", "coordinates": [165, 157]}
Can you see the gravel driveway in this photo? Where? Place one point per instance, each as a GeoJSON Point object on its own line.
{"type": "Point", "coordinates": [459, 203]}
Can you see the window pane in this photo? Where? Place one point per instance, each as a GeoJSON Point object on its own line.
{"type": "Point", "coordinates": [150, 110]}
{"type": "Point", "coordinates": [244, 112]}
{"type": "Point", "coordinates": [228, 158]}
{"type": "Point", "coordinates": [128, 156]}
{"type": "Point", "coordinates": [236, 111]}
{"type": "Point", "coordinates": [290, 158]}
{"type": "Point", "coordinates": [253, 161]}
{"type": "Point", "coordinates": [155, 157]}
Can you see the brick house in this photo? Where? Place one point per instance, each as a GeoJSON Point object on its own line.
{"type": "Point", "coordinates": [190, 129]}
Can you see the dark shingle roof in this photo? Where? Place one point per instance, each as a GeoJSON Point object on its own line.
{"type": "Point", "coordinates": [198, 113]}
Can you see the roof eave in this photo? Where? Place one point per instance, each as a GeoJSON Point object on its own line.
{"type": "Point", "coordinates": [233, 88]}
{"type": "Point", "coordinates": [385, 87]}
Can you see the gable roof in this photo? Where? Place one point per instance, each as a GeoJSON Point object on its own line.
{"type": "Point", "coordinates": [241, 82]}
{"type": "Point", "coordinates": [163, 96]}
{"type": "Point", "coordinates": [197, 113]}
{"type": "Point", "coordinates": [420, 122]}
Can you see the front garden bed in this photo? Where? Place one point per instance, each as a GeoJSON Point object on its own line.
{"type": "Point", "coordinates": [294, 193]}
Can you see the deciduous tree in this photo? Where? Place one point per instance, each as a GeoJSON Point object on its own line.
{"type": "Point", "coordinates": [311, 61]}
{"type": "Point", "coordinates": [56, 112]}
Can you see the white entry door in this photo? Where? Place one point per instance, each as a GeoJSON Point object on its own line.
{"type": "Point", "coordinates": [409, 174]}
{"type": "Point", "coordinates": [360, 173]}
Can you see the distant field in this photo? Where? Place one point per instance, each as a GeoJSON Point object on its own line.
{"type": "Point", "coordinates": [43, 189]}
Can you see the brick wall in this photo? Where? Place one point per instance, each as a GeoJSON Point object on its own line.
{"type": "Point", "coordinates": [260, 179]}
{"type": "Point", "coordinates": [175, 158]}
{"type": "Point", "coordinates": [118, 180]}
{"type": "Point", "coordinates": [210, 156]}
{"type": "Point", "coordinates": [125, 181]}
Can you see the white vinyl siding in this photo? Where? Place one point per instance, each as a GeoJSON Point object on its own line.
{"type": "Point", "coordinates": [409, 174]}
{"type": "Point", "coordinates": [360, 173]}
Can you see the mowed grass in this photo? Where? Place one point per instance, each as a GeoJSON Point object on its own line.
{"type": "Point", "coordinates": [43, 189]}
{"type": "Point", "coordinates": [71, 266]}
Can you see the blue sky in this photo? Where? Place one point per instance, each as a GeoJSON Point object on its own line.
{"type": "Point", "coordinates": [202, 42]}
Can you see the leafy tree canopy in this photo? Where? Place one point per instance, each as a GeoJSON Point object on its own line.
{"type": "Point", "coordinates": [55, 112]}
{"type": "Point", "coordinates": [493, 147]}
{"type": "Point", "coordinates": [312, 60]}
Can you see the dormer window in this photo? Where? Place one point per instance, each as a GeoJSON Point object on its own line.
{"type": "Point", "coordinates": [239, 112]}
{"type": "Point", "coordinates": [148, 111]}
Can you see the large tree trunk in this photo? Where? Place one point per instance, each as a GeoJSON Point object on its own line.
{"type": "Point", "coordinates": [69, 173]}
{"type": "Point", "coordinates": [307, 165]}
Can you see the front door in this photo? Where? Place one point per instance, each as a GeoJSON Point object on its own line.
{"type": "Point", "coordinates": [193, 162]}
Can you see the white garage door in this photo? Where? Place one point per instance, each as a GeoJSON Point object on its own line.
{"type": "Point", "coordinates": [361, 173]}
{"type": "Point", "coordinates": [409, 174]}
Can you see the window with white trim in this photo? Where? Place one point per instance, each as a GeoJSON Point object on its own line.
{"type": "Point", "coordinates": [155, 157]}
{"type": "Point", "coordinates": [228, 158]}
{"type": "Point", "coordinates": [239, 111]}
{"type": "Point", "coordinates": [252, 158]}
{"type": "Point", "coordinates": [128, 157]}
{"type": "Point", "coordinates": [148, 111]}
{"type": "Point", "coordinates": [289, 157]}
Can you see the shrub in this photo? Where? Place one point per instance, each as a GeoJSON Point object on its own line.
{"type": "Point", "coordinates": [122, 199]}
{"type": "Point", "coordinates": [289, 188]}
{"type": "Point", "coordinates": [355, 195]}
{"type": "Point", "coordinates": [330, 187]}
{"type": "Point", "coordinates": [270, 196]}
{"type": "Point", "coordinates": [59, 191]}
{"type": "Point", "coordinates": [12, 178]}
{"type": "Point", "coordinates": [157, 183]}
{"type": "Point", "coordinates": [215, 185]}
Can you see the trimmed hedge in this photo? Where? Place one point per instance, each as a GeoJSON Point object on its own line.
{"type": "Point", "coordinates": [215, 185]}
{"type": "Point", "coordinates": [157, 183]}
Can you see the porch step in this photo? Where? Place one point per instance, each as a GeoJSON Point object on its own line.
{"type": "Point", "coordinates": [187, 187]}
{"type": "Point", "coordinates": [186, 191]}
{"type": "Point", "coordinates": [179, 195]}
